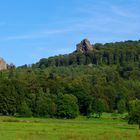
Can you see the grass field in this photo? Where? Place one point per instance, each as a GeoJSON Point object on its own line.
{"type": "Point", "coordinates": [81, 128]}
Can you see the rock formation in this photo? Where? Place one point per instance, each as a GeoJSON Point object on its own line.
{"type": "Point", "coordinates": [84, 46]}
{"type": "Point", "coordinates": [3, 64]}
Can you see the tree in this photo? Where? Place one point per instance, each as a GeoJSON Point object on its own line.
{"type": "Point", "coordinates": [11, 93]}
{"type": "Point", "coordinates": [134, 112]}
{"type": "Point", "coordinates": [45, 106]}
{"type": "Point", "coordinates": [98, 107]}
{"type": "Point", "coordinates": [24, 110]}
{"type": "Point", "coordinates": [67, 106]}
{"type": "Point", "coordinates": [121, 106]}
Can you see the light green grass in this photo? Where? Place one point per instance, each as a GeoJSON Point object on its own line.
{"type": "Point", "coordinates": [57, 129]}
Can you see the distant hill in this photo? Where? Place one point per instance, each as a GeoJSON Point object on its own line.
{"type": "Point", "coordinates": [97, 54]}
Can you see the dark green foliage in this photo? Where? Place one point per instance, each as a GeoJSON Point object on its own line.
{"type": "Point", "coordinates": [67, 106]}
{"type": "Point", "coordinates": [81, 90]}
{"type": "Point", "coordinates": [134, 112]}
{"type": "Point", "coordinates": [10, 96]}
{"type": "Point", "coordinates": [98, 107]}
{"type": "Point", "coordinates": [121, 106]}
{"type": "Point", "coordinates": [45, 106]}
{"type": "Point", "coordinates": [104, 79]}
{"type": "Point", "coordinates": [24, 110]}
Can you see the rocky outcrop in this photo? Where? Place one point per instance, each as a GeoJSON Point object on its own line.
{"type": "Point", "coordinates": [3, 65]}
{"type": "Point", "coordinates": [84, 46]}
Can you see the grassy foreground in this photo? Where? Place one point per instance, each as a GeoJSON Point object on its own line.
{"type": "Point", "coordinates": [58, 129]}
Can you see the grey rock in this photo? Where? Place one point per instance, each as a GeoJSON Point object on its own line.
{"type": "Point", "coordinates": [84, 46]}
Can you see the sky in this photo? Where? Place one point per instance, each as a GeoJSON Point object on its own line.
{"type": "Point", "coordinates": [35, 29]}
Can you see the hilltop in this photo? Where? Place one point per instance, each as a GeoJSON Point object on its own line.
{"type": "Point", "coordinates": [96, 54]}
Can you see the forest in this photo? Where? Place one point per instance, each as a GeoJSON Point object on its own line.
{"type": "Point", "coordinates": [106, 79]}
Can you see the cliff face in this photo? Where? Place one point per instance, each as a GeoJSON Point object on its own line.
{"type": "Point", "coordinates": [84, 46]}
{"type": "Point", "coordinates": [3, 64]}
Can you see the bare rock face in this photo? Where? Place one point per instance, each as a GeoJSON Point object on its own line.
{"type": "Point", "coordinates": [3, 65]}
{"type": "Point", "coordinates": [84, 46]}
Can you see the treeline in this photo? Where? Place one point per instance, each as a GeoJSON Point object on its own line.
{"type": "Point", "coordinates": [102, 54]}
{"type": "Point", "coordinates": [102, 80]}
{"type": "Point", "coordinates": [65, 92]}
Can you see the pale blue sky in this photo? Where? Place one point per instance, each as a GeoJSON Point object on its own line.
{"type": "Point", "coordinates": [33, 29]}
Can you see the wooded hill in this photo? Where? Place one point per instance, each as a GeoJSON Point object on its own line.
{"type": "Point", "coordinates": [104, 78]}
{"type": "Point", "coordinates": [117, 53]}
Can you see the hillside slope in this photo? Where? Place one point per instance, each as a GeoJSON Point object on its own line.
{"type": "Point", "coordinates": [97, 54]}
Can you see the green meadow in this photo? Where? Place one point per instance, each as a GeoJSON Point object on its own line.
{"type": "Point", "coordinates": [82, 128]}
